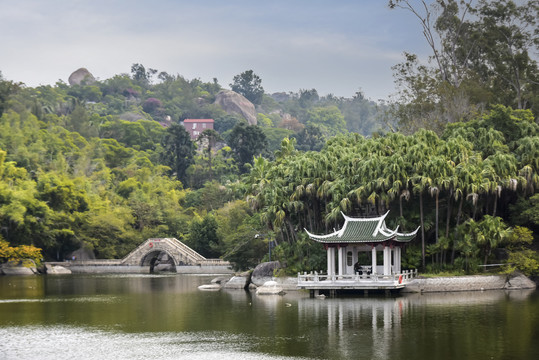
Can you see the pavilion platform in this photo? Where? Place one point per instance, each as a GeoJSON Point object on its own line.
{"type": "Point", "coordinates": [330, 283]}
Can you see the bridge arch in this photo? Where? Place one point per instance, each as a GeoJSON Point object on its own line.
{"type": "Point", "coordinates": [147, 258]}
{"type": "Point", "coordinates": [178, 253]}
{"type": "Point", "coordinates": [159, 260]}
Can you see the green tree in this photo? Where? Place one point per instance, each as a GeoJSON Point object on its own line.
{"type": "Point", "coordinates": [249, 85]}
{"type": "Point", "coordinates": [329, 119]}
{"type": "Point", "coordinates": [79, 121]}
{"type": "Point", "coordinates": [203, 237]}
{"type": "Point", "coordinates": [308, 97]}
{"type": "Point", "coordinates": [6, 89]}
{"type": "Point", "coordinates": [247, 141]}
{"type": "Point", "coordinates": [479, 56]}
{"type": "Point", "coordinates": [244, 240]}
{"type": "Point", "coordinates": [310, 138]}
{"type": "Point", "coordinates": [507, 35]}
{"type": "Point", "coordinates": [141, 75]}
{"type": "Point", "coordinates": [207, 141]}
{"type": "Point", "coordinates": [178, 151]}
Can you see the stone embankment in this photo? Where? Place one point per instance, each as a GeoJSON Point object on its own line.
{"type": "Point", "coordinates": [263, 275]}
{"type": "Point", "coordinates": [469, 283]}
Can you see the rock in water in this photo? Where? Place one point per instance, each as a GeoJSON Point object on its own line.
{"type": "Point", "coordinates": [270, 288]}
{"type": "Point", "coordinates": [210, 287]}
{"type": "Point", "coordinates": [264, 272]}
{"type": "Point", "coordinates": [238, 282]}
{"type": "Point", "coordinates": [234, 103]}
{"type": "Point", "coordinates": [81, 77]}
{"type": "Point", "coordinates": [56, 269]}
{"type": "Point", "coordinates": [19, 267]}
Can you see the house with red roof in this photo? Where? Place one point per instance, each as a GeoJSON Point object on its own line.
{"type": "Point", "coordinates": [195, 127]}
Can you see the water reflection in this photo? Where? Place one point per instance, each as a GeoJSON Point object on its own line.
{"type": "Point", "coordinates": [375, 328]}
{"type": "Point", "coordinates": [370, 324]}
{"type": "Point", "coordinates": [125, 311]}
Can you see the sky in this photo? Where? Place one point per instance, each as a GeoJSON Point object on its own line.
{"type": "Point", "coordinates": [335, 47]}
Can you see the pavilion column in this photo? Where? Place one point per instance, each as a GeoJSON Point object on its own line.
{"type": "Point", "coordinates": [341, 258]}
{"type": "Point", "coordinates": [387, 260]}
{"type": "Point", "coordinates": [328, 255]}
{"type": "Point", "coordinates": [373, 252]}
{"type": "Point", "coordinates": [331, 260]}
{"type": "Point", "coordinates": [397, 259]}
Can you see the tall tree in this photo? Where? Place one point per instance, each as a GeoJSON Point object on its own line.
{"type": "Point", "coordinates": [208, 139]}
{"type": "Point", "coordinates": [246, 141]}
{"type": "Point", "coordinates": [506, 36]}
{"type": "Point", "coordinates": [249, 85]}
{"type": "Point", "coordinates": [141, 75]}
{"type": "Point", "coordinates": [480, 55]}
{"type": "Point", "coordinates": [437, 92]}
{"type": "Point", "coordinates": [6, 89]}
{"type": "Point", "coordinates": [203, 236]}
{"type": "Point", "coordinates": [329, 119]}
{"type": "Point", "coordinates": [310, 138]}
{"type": "Point", "coordinates": [178, 151]}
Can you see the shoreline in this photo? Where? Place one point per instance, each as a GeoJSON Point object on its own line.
{"type": "Point", "coordinates": [515, 281]}
{"type": "Point", "coordinates": [469, 283]}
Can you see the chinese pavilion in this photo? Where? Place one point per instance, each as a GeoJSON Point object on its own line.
{"type": "Point", "coordinates": [363, 250]}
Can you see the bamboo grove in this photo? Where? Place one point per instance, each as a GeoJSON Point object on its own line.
{"type": "Point", "coordinates": [462, 187]}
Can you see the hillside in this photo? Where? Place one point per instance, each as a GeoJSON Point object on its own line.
{"type": "Point", "coordinates": [104, 165]}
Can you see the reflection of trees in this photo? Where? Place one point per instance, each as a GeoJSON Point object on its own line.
{"type": "Point", "coordinates": [415, 325]}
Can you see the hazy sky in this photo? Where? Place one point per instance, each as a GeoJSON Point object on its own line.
{"type": "Point", "coordinates": [333, 46]}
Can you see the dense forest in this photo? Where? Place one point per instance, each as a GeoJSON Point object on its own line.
{"type": "Point", "coordinates": [104, 165]}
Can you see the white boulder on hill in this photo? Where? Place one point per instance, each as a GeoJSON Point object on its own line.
{"type": "Point", "coordinates": [234, 103]}
{"type": "Point", "coordinates": [80, 76]}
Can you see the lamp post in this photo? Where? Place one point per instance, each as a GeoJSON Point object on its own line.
{"type": "Point", "coordinates": [271, 244]}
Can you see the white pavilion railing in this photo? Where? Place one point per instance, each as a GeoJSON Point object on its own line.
{"type": "Point", "coordinates": [325, 280]}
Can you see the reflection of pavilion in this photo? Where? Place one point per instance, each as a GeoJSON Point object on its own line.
{"type": "Point", "coordinates": [359, 327]}
{"type": "Point", "coordinates": [360, 246]}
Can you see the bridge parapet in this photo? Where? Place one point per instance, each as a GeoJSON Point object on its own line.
{"type": "Point", "coordinates": [181, 253]}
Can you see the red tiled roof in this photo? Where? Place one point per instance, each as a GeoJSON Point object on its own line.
{"type": "Point", "coordinates": [198, 120]}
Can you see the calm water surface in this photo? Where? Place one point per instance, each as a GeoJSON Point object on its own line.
{"type": "Point", "coordinates": [167, 317]}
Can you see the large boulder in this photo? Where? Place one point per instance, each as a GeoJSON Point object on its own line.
{"type": "Point", "coordinates": [56, 270]}
{"type": "Point", "coordinates": [234, 103]}
{"type": "Point", "coordinates": [264, 272]}
{"type": "Point", "coordinates": [19, 267]}
{"type": "Point", "coordinates": [270, 288]}
{"type": "Point", "coordinates": [81, 77]}
{"type": "Point", "coordinates": [519, 281]}
{"type": "Point", "coordinates": [239, 281]}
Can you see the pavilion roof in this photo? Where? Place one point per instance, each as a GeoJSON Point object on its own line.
{"type": "Point", "coordinates": [364, 230]}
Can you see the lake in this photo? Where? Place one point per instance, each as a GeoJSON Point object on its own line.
{"type": "Point", "coordinates": [167, 317]}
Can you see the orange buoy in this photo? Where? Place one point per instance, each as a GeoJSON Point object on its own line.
{"type": "Point", "coordinates": [400, 279]}
{"type": "Point", "coordinates": [151, 245]}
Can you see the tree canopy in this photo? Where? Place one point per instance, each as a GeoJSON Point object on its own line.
{"type": "Point", "coordinates": [104, 166]}
{"type": "Point", "coordinates": [249, 85]}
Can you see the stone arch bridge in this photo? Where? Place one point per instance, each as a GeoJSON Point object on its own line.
{"type": "Point", "coordinates": [173, 251]}
{"type": "Point", "coordinates": [167, 254]}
